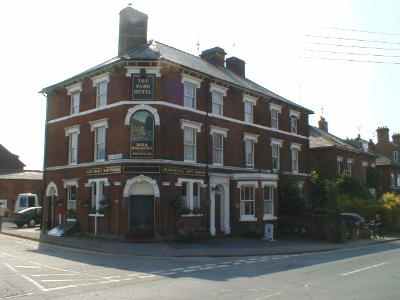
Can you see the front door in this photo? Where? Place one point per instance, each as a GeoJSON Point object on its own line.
{"type": "Point", "coordinates": [219, 208]}
{"type": "Point", "coordinates": [141, 216]}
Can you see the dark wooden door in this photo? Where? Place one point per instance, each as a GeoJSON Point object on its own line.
{"type": "Point", "coordinates": [218, 204]}
{"type": "Point", "coordinates": [141, 216]}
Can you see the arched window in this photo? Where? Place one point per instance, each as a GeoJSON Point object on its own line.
{"type": "Point", "coordinates": [142, 134]}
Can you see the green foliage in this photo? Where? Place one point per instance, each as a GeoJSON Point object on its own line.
{"type": "Point", "coordinates": [353, 188]}
{"type": "Point", "coordinates": [291, 199]}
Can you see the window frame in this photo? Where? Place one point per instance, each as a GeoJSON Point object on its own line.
{"type": "Point", "coordinates": [251, 163]}
{"type": "Point", "coordinates": [295, 154]}
{"type": "Point", "coordinates": [190, 187]}
{"type": "Point", "coordinates": [217, 95]}
{"type": "Point", "coordinates": [186, 85]}
{"type": "Point", "coordinates": [218, 150]}
{"type": "Point", "coordinates": [73, 152]}
{"type": "Point", "coordinates": [275, 118]}
{"type": "Point", "coordinates": [75, 99]}
{"type": "Point", "coordinates": [249, 115]}
{"type": "Point", "coordinates": [294, 124]}
{"type": "Point", "coordinates": [73, 201]}
{"type": "Point", "coordinates": [192, 145]}
{"type": "Point", "coordinates": [276, 159]}
{"type": "Point", "coordinates": [97, 143]}
{"type": "Point", "coordinates": [99, 95]}
{"type": "Point", "coordinates": [250, 201]}
{"type": "Point", "coordinates": [271, 193]}
{"type": "Point", "coordinates": [396, 156]}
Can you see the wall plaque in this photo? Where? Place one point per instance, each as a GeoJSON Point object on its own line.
{"type": "Point", "coordinates": [182, 171]}
{"type": "Point", "coordinates": [143, 85]}
{"type": "Point", "coordinates": [100, 171]}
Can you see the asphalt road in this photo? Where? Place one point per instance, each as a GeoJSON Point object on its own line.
{"type": "Point", "coordinates": [29, 270]}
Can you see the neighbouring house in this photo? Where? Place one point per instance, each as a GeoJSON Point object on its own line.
{"type": "Point", "coordinates": [156, 141]}
{"type": "Point", "coordinates": [14, 180]}
{"type": "Point", "coordinates": [332, 156]}
{"type": "Point", "coordinates": [388, 161]}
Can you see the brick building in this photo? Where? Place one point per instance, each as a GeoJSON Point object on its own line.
{"type": "Point", "coordinates": [157, 140]}
{"type": "Point", "coordinates": [14, 180]}
{"type": "Point", "coordinates": [388, 160]}
{"type": "Point", "coordinates": [332, 156]}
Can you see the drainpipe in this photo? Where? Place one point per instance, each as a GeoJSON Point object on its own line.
{"type": "Point", "coordinates": [207, 131]}
{"type": "Point", "coordinates": [44, 224]}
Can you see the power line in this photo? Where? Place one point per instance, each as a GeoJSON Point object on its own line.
{"type": "Point", "coordinates": [351, 60]}
{"type": "Point", "coordinates": [351, 53]}
{"type": "Point", "coordinates": [363, 31]}
{"type": "Point", "coordinates": [350, 39]}
{"type": "Point", "coordinates": [354, 46]}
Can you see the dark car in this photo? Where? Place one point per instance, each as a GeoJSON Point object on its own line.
{"type": "Point", "coordinates": [29, 216]}
{"type": "Point", "coordinates": [353, 219]}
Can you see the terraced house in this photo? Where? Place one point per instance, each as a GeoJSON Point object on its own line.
{"type": "Point", "coordinates": [157, 141]}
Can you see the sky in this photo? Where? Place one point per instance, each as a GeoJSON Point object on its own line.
{"type": "Point", "coordinates": [43, 42]}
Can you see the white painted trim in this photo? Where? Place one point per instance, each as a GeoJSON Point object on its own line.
{"type": "Point", "coordinates": [140, 179]}
{"type": "Point", "coordinates": [269, 218]}
{"type": "Point", "coordinates": [100, 78]}
{"type": "Point", "coordinates": [273, 106]}
{"type": "Point", "coordinates": [296, 174]}
{"type": "Point", "coordinates": [176, 106]}
{"type": "Point", "coordinates": [98, 123]}
{"type": "Point", "coordinates": [149, 70]}
{"type": "Point", "coordinates": [294, 113]}
{"type": "Point", "coordinates": [250, 99]}
{"type": "Point", "coordinates": [49, 187]}
{"type": "Point", "coordinates": [74, 88]}
{"type": "Point", "coordinates": [247, 183]}
{"type": "Point", "coordinates": [189, 180]}
{"type": "Point", "coordinates": [95, 180]}
{"type": "Point", "coordinates": [275, 141]}
{"type": "Point", "coordinates": [218, 88]}
{"type": "Point", "coordinates": [250, 137]}
{"type": "Point", "coordinates": [295, 146]}
{"type": "Point", "coordinates": [71, 182]}
{"type": "Point", "coordinates": [191, 79]}
{"type": "Point", "coordinates": [219, 130]}
{"type": "Point", "coordinates": [191, 124]}
{"type": "Point", "coordinates": [166, 183]}
{"type": "Point", "coordinates": [139, 107]}
{"type": "Point", "coordinates": [248, 218]}
{"type": "Point", "coordinates": [269, 183]}
{"type": "Point", "coordinates": [72, 129]}
{"type": "Point", "coordinates": [255, 176]}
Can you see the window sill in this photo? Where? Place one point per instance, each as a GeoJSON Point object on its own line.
{"type": "Point", "coordinates": [191, 215]}
{"type": "Point", "coordinates": [96, 215]}
{"type": "Point", "coordinates": [217, 165]}
{"type": "Point", "coordinates": [100, 160]}
{"type": "Point", "coordinates": [248, 219]}
{"type": "Point", "coordinates": [73, 164]}
{"type": "Point", "coordinates": [71, 220]}
{"type": "Point", "coordinates": [269, 218]}
{"type": "Point", "coordinates": [190, 161]}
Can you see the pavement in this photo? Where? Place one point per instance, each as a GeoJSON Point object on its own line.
{"type": "Point", "coordinates": [34, 271]}
{"type": "Point", "coordinates": [226, 247]}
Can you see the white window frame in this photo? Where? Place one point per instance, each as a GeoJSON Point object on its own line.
{"type": "Point", "coordinates": [190, 202]}
{"type": "Point", "coordinates": [249, 102]}
{"type": "Point", "coordinates": [251, 201]}
{"type": "Point", "coordinates": [73, 133]}
{"type": "Point", "coordinates": [276, 154]}
{"type": "Point", "coordinates": [250, 139]}
{"type": "Point", "coordinates": [98, 81]}
{"type": "Point", "coordinates": [70, 201]}
{"type": "Point", "coordinates": [217, 103]}
{"type": "Point", "coordinates": [195, 127]}
{"type": "Point", "coordinates": [94, 127]}
{"type": "Point", "coordinates": [392, 180]}
{"type": "Point", "coordinates": [74, 90]}
{"type": "Point", "coordinates": [295, 157]}
{"type": "Point", "coordinates": [398, 180]}
{"type": "Point", "coordinates": [218, 149]}
{"type": "Point", "coordinates": [193, 82]}
{"type": "Point", "coordinates": [223, 133]}
{"type": "Point", "coordinates": [96, 197]}
{"type": "Point", "coordinates": [396, 155]}
{"type": "Point", "coordinates": [192, 103]}
{"type": "Point", "coordinates": [272, 186]}
{"type": "Point", "coordinates": [349, 167]}
{"type": "Point", "coordinates": [275, 111]}
{"type": "Point", "coordinates": [294, 124]}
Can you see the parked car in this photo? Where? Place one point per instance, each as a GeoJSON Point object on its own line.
{"type": "Point", "coordinates": [26, 200]}
{"type": "Point", "coordinates": [353, 219]}
{"type": "Point", "coordinates": [29, 216]}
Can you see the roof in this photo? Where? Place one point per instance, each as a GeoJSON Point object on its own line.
{"type": "Point", "coordinates": [24, 175]}
{"type": "Point", "coordinates": [9, 161]}
{"type": "Point", "coordinates": [157, 50]}
{"type": "Point", "coordinates": [322, 139]}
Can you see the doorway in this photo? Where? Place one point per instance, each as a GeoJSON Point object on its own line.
{"type": "Point", "coordinates": [219, 209]}
{"type": "Point", "coordinates": [141, 215]}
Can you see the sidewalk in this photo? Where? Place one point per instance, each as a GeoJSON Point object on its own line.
{"type": "Point", "coordinates": [227, 247]}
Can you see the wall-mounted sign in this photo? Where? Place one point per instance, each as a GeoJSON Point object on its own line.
{"type": "Point", "coordinates": [143, 85]}
{"type": "Point", "coordinates": [182, 171]}
{"type": "Point", "coordinates": [108, 170]}
{"type": "Point", "coordinates": [142, 134]}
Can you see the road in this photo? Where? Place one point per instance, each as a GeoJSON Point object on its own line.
{"type": "Point", "coordinates": [29, 270]}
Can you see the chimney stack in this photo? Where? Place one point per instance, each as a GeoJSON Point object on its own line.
{"type": "Point", "coordinates": [215, 56]}
{"type": "Point", "coordinates": [132, 30]}
{"type": "Point", "coordinates": [383, 135]}
{"type": "Point", "coordinates": [396, 138]}
{"type": "Point", "coordinates": [323, 124]}
{"type": "Point", "coordinates": [237, 66]}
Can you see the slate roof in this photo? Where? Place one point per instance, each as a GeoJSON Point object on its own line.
{"type": "Point", "coordinates": [156, 50]}
{"type": "Point", "coordinates": [24, 175]}
{"type": "Point", "coordinates": [321, 139]}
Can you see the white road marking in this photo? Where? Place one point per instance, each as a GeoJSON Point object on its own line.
{"type": "Point", "coordinates": [64, 280]}
{"type": "Point", "coordinates": [37, 284]}
{"type": "Point", "coordinates": [47, 275]}
{"type": "Point", "coordinates": [363, 269]}
{"type": "Point", "coordinates": [269, 296]}
{"type": "Point", "coordinates": [16, 296]}
{"type": "Point", "coordinates": [28, 267]}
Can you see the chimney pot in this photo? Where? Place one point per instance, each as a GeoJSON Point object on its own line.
{"type": "Point", "coordinates": [396, 138]}
{"type": "Point", "coordinates": [323, 124]}
{"type": "Point", "coordinates": [383, 135]}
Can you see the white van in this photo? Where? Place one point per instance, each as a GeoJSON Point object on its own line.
{"type": "Point", "coordinates": [26, 200]}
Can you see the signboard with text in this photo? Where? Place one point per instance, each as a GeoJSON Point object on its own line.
{"type": "Point", "coordinates": [143, 86]}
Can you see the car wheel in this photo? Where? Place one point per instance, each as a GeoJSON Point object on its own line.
{"type": "Point", "coordinates": [32, 223]}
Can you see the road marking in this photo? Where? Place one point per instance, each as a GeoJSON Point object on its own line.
{"type": "Point", "coordinates": [28, 267]}
{"type": "Point", "coordinates": [46, 275]}
{"type": "Point", "coordinates": [37, 284]}
{"type": "Point", "coordinates": [16, 296]}
{"type": "Point", "coordinates": [269, 296]}
{"type": "Point", "coordinates": [64, 280]}
{"type": "Point", "coordinates": [363, 269]}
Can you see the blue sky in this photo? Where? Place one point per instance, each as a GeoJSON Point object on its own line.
{"type": "Point", "coordinates": [46, 41]}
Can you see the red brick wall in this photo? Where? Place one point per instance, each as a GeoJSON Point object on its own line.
{"type": "Point", "coordinates": [9, 189]}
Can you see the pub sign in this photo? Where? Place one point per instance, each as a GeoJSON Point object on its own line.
{"type": "Point", "coordinates": [143, 85]}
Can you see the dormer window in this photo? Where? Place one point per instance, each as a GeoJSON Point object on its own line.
{"type": "Point", "coordinates": [275, 112]}
{"type": "Point", "coordinates": [190, 86]}
{"type": "Point", "coordinates": [74, 91]}
{"type": "Point", "coordinates": [294, 121]}
{"type": "Point", "coordinates": [100, 82]}
{"type": "Point", "coordinates": [249, 103]}
{"type": "Point", "coordinates": [217, 98]}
